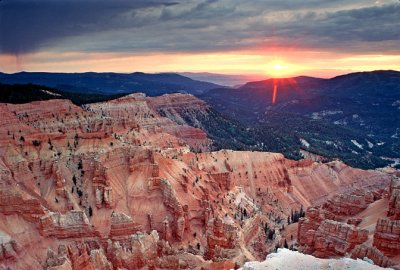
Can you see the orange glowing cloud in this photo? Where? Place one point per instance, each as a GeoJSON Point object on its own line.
{"type": "Point", "coordinates": [279, 64]}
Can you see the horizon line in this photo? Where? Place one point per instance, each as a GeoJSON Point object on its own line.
{"type": "Point", "coordinates": [199, 72]}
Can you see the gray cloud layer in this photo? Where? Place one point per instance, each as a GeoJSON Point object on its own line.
{"type": "Point", "coordinates": [197, 25]}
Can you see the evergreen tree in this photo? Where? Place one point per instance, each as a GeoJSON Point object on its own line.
{"type": "Point", "coordinates": [285, 245]}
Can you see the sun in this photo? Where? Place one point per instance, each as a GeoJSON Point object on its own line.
{"type": "Point", "coordinates": [277, 69]}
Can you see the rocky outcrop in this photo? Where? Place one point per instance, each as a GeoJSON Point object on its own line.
{"type": "Point", "coordinates": [387, 236]}
{"type": "Point", "coordinates": [363, 251]}
{"type": "Point", "coordinates": [73, 224]}
{"type": "Point", "coordinates": [122, 225]}
{"type": "Point", "coordinates": [394, 201]}
{"type": "Point", "coordinates": [58, 261]}
{"type": "Point", "coordinates": [309, 225]}
{"type": "Point", "coordinates": [139, 251]}
{"type": "Point", "coordinates": [13, 202]}
{"type": "Point", "coordinates": [387, 231]}
{"type": "Point", "coordinates": [223, 179]}
{"type": "Point", "coordinates": [99, 260]}
{"type": "Point", "coordinates": [147, 251]}
{"type": "Point", "coordinates": [320, 235]}
{"type": "Point", "coordinates": [354, 221]}
{"type": "Point", "coordinates": [170, 200]}
{"type": "Point", "coordinates": [348, 204]}
{"type": "Point", "coordinates": [220, 237]}
{"type": "Point", "coordinates": [335, 238]}
{"type": "Point", "coordinates": [101, 185]}
{"type": "Point", "coordinates": [9, 248]}
{"type": "Point", "coordinates": [149, 115]}
{"type": "Point", "coordinates": [323, 237]}
{"type": "Point", "coordinates": [77, 256]}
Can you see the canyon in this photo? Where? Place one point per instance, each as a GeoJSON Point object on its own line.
{"type": "Point", "coordinates": [129, 184]}
{"type": "Point", "coordinates": [362, 224]}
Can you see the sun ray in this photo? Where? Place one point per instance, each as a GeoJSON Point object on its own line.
{"type": "Point", "coordinates": [274, 93]}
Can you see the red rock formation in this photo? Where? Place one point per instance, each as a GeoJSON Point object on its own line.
{"type": "Point", "coordinates": [101, 185]}
{"type": "Point", "coordinates": [394, 202]}
{"type": "Point", "coordinates": [167, 231]}
{"type": "Point", "coordinates": [135, 166]}
{"type": "Point", "coordinates": [9, 248]}
{"type": "Point", "coordinates": [77, 256]}
{"type": "Point", "coordinates": [327, 238]}
{"type": "Point", "coordinates": [73, 224]}
{"type": "Point", "coordinates": [346, 204]}
{"type": "Point", "coordinates": [99, 260]}
{"type": "Point", "coordinates": [147, 115]}
{"type": "Point", "coordinates": [122, 225]}
{"type": "Point", "coordinates": [223, 179]}
{"type": "Point", "coordinates": [335, 238]}
{"type": "Point", "coordinates": [363, 251]}
{"type": "Point", "coordinates": [220, 236]}
{"type": "Point", "coordinates": [323, 237]}
{"type": "Point", "coordinates": [58, 260]}
{"type": "Point", "coordinates": [354, 221]}
{"type": "Point", "coordinates": [170, 200]}
{"type": "Point", "coordinates": [387, 236]}
{"type": "Point", "coordinates": [15, 202]}
{"type": "Point", "coordinates": [387, 231]}
{"type": "Point", "coordinates": [308, 227]}
{"type": "Point", "coordinates": [140, 251]}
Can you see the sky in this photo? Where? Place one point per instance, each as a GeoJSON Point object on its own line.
{"type": "Point", "coordinates": [321, 38]}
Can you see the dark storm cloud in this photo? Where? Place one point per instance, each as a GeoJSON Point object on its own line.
{"type": "Point", "coordinates": [192, 26]}
{"type": "Point", "coordinates": [25, 25]}
{"type": "Point", "coordinates": [364, 29]}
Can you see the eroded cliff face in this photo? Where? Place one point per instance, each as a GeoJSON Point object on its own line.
{"type": "Point", "coordinates": [115, 185]}
{"type": "Point", "coordinates": [361, 223]}
{"type": "Point", "coordinates": [387, 231]}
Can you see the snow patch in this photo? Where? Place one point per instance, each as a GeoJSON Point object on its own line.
{"type": "Point", "coordinates": [396, 104]}
{"type": "Point", "coordinates": [286, 259]}
{"type": "Point", "coordinates": [341, 122]}
{"type": "Point", "coordinates": [331, 143]}
{"type": "Point", "coordinates": [395, 161]}
{"type": "Point", "coordinates": [321, 114]}
{"type": "Point", "coordinates": [304, 143]}
{"type": "Point", "coordinates": [370, 144]}
{"type": "Point", "coordinates": [357, 144]}
{"type": "Point", "coordinates": [50, 93]}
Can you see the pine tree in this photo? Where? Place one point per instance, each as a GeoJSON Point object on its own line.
{"type": "Point", "coordinates": [302, 212]}
{"type": "Point", "coordinates": [285, 245]}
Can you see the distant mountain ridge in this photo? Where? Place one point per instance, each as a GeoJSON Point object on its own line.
{"type": "Point", "coordinates": [111, 83]}
{"type": "Point", "coordinates": [25, 93]}
{"type": "Point", "coordinates": [360, 113]}
{"type": "Point", "coordinates": [222, 79]}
